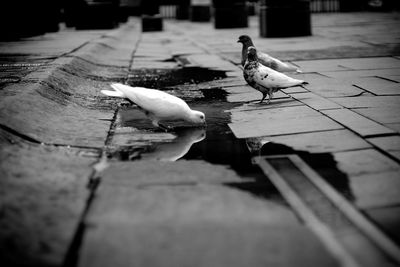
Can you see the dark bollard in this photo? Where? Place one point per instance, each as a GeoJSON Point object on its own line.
{"type": "Point", "coordinates": [182, 9]}
{"type": "Point", "coordinates": [285, 18]}
{"type": "Point", "coordinates": [91, 14]}
{"type": "Point", "coordinates": [152, 23]}
{"type": "Point", "coordinates": [200, 10]}
{"type": "Point", "coordinates": [151, 18]}
{"type": "Point", "coordinates": [26, 18]}
{"type": "Point", "coordinates": [352, 5]}
{"type": "Point", "coordinates": [230, 14]}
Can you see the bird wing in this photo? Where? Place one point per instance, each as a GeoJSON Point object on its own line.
{"type": "Point", "coordinates": [270, 78]}
{"type": "Point", "coordinates": [159, 103]}
{"type": "Point", "coordinates": [267, 60]}
{"type": "Point", "coordinates": [275, 63]}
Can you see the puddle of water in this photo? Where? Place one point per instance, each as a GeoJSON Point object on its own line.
{"type": "Point", "coordinates": [323, 163]}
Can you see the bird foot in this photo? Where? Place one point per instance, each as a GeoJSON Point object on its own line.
{"type": "Point", "coordinates": [165, 128]}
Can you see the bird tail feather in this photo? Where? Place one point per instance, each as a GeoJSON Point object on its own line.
{"type": "Point", "coordinates": [116, 93]}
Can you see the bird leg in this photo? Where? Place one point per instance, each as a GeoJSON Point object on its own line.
{"type": "Point", "coordinates": [262, 99]}
{"type": "Point", "coordinates": [161, 126]}
{"type": "Point", "coordinates": [164, 127]}
{"type": "Point", "coordinates": [270, 96]}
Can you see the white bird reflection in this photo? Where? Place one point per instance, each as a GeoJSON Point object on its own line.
{"type": "Point", "coordinates": [178, 147]}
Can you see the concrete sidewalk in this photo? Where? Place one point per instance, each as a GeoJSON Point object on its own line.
{"type": "Point", "coordinates": [56, 128]}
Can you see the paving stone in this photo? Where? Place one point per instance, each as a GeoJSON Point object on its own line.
{"type": "Point", "coordinates": [388, 219]}
{"type": "Point", "coordinates": [188, 218]}
{"type": "Point", "coordinates": [329, 87]}
{"type": "Point", "coordinates": [321, 65]}
{"type": "Point", "coordinates": [376, 190]}
{"type": "Point", "coordinates": [366, 253]}
{"type": "Point", "coordinates": [247, 93]}
{"type": "Point", "coordinates": [369, 101]}
{"type": "Point", "coordinates": [295, 90]}
{"type": "Point", "coordinates": [279, 121]}
{"type": "Point", "coordinates": [318, 142]}
{"type": "Point", "coordinates": [316, 102]}
{"type": "Point", "coordinates": [393, 126]}
{"type": "Point", "coordinates": [202, 244]}
{"type": "Point", "coordinates": [149, 172]}
{"type": "Point", "coordinates": [365, 162]}
{"type": "Point", "coordinates": [391, 144]}
{"type": "Point", "coordinates": [252, 96]}
{"type": "Point", "coordinates": [357, 123]}
{"type": "Point", "coordinates": [275, 103]}
{"type": "Point", "coordinates": [50, 116]}
{"type": "Point", "coordinates": [371, 63]}
{"type": "Point", "coordinates": [43, 195]}
{"type": "Point", "coordinates": [360, 73]}
{"type": "Point", "coordinates": [382, 114]}
{"type": "Point", "coordinates": [178, 202]}
{"type": "Point", "coordinates": [394, 78]}
{"type": "Point", "coordinates": [378, 86]}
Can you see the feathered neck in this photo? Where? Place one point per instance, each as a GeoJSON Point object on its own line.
{"type": "Point", "coordinates": [246, 45]}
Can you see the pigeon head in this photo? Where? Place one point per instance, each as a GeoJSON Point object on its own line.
{"type": "Point", "coordinates": [197, 117]}
{"type": "Point", "coordinates": [252, 53]}
{"type": "Point", "coordinates": [245, 39]}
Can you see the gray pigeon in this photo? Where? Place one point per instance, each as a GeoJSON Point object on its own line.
{"type": "Point", "coordinates": [264, 79]}
{"type": "Point", "coordinates": [264, 58]}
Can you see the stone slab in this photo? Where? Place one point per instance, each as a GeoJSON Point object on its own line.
{"type": "Point", "coordinates": [182, 203]}
{"type": "Point", "coordinates": [365, 162]}
{"type": "Point", "coordinates": [390, 144]}
{"type": "Point", "coordinates": [321, 65]}
{"type": "Point", "coordinates": [378, 86]}
{"type": "Point", "coordinates": [369, 101]}
{"type": "Point", "coordinates": [186, 224]}
{"type": "Point", "coordinates": [382, 114]}
{"type": "Point", "coordinates": [357, 123]}
{"type": "Point", "coordinates": [154, 172]}
{"type": "Point", "coordinates": [203, 244]}
{"type": "Point", "coordinates": [376, 190]}
{"type": "Point", "coordinates": [294, 90]}
{"type": "Point", "coordinates": [279, 121]}
{"type": "Point", "coordinates": [49, 116]}
{"type": "Point", "coordinates": [276, 103]}
{"type": "Point", "coordinates": [388, 219]}
{"type": "Point", "coordinates": [360, 73]}
{"type": "Point", "coordinates": [316, 102]}
{"type": "Point", "coordinates": [43, 195]}
{"type": "Point", "coordinates": [252, 96]}
{"type": "Point", "coordinates": [329, 87]}
{"type": "Point", "coordinates": [318, 142]}
{"type": "Point", "coordinates": [371, 63]}
{"type": "Point", "coordinates": [394, 126]}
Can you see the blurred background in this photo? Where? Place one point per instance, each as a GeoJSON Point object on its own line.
{"type": "Point", "coordinates": [24, 18]}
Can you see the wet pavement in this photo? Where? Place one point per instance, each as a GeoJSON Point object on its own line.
{"type": "Point", "coordinates": [312, 179]}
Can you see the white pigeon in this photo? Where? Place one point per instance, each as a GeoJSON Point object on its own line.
{"type": "Point", "coordinates": [178, 147]}
{"type": "Point", "coordinates": [264, 58]}
{"type": "Point", "coordinates": [157, 105]}
{"type": "Point", "coordinates": [264, 79]}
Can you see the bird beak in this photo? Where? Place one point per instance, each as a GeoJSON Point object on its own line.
{"type": "Point", "coordinates": [238, 41]}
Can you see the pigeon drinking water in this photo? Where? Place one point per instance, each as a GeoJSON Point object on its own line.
{"type": "Point", "coordinates": [157, 105]}
{"type": "Point", "coordinates": [264, 79]}
{"type": "Point", "coordinates": [264, 58]}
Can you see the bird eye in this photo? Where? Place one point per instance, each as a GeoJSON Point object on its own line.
{"type": "Point", "coordinates": [202, 117]}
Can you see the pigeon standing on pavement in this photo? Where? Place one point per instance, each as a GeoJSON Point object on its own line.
{"type": "Point", "coordinates": [264, 79]}
{"type": "Point", "coordinates": [264, 58]}
{"type": "Point", "coordinates": [157, 105]}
